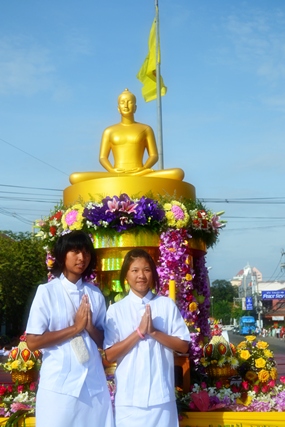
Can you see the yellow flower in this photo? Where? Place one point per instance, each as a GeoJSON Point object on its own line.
{"type": "Point", "coordinates": [188, 277]}
{"type": "Point", "coordinates": [263, 376]}
{"type": "Point", "coordinates": [193, 306]}
{"type": "Point", "coordinates": [245, 402]}
{"type": "Point", "coordinates": [260, 362]}
{"type": "Point", "coordinates": [72, 218]}
{"type": "Point", "coordinates": [176, 214]}
{"type": "Point", "coordinates": [268, 353]}
{"type": "Point", "coordinates": [204, 361]}
{"type": "Point", "coordinates": [15, 364]}
{"type": "Point", "coordinates": [273, 373]}
{"type": "Point", "coordinates": [250, 337]}
{"type": "Point", "coordinates": [30, 364]}
{"type": "Point", "coordinates": [262, 344]}
{"type": "Point", "coordinates": [245, 354]}
{"type": "Point", "coordinates": [242, 344]}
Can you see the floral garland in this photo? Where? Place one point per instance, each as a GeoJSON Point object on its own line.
{"type": "Point", "coordinates": [122, 213]}
{"type": "Point", "coordinates": [191, 284]}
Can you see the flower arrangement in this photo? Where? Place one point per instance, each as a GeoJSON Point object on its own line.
{"type": "Point", "coordinates": [17, 400]}
{"type": "Point", "coordinates": [204, 398]}
{"type": "Point", "coordinates": [256, 364]}
{"type": "Point", "coordinates": [124, 213]}
{"type": "Point", "coordinates": [22, 359]}
{"type": "Point", "coordinates": [219, 358]}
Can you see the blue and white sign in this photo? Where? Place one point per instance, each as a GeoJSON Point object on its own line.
{"type": "Point", "coordinates": [248, 303]}
{"type": "Point", "coordinates": [266, 295]}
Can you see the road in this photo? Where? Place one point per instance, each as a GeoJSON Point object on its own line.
{"type": "Point", "coordinates": [276, 345]}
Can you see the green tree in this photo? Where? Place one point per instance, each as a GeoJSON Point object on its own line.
{"type": "Point", "coordinates": [222, 311]}
{"type": "Point", "coordinates": [222, 297]}
{"type": "Point", "coordinates": [222, 290]}
{"type": "Point", "coordinates": [22, 268]}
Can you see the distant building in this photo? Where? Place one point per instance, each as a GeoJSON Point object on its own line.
{"type": "Point", "coordinates": [250, 284]}
{"type": "Point", "coordinates": [247, 281]}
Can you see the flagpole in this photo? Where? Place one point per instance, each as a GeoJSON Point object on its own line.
{"type": "Point", "coordinates": [158, 94]}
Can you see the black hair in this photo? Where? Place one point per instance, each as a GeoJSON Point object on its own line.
{"type": "Point", "coordinates": [128, 260]}
{"type": "Point", "coordinates": [76, 239]}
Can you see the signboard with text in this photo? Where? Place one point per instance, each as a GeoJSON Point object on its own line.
{"type": "Point", "coordinates": [267, 295]}
{"type": "Point", "coordinates": [248, 303]}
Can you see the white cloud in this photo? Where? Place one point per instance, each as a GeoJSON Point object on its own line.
{"type": "Point", "coordinates": [24, 67]}
{"type": "Point", "coordinates": [257, 41]}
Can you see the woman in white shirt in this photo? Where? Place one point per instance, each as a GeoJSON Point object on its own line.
{"type": "Point", "coordinates": [72, 383]}
{"type": "Point", "coordinates": [142, 332]}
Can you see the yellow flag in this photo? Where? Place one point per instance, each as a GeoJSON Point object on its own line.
{"type": "Point", "coordinates": [147, 73]}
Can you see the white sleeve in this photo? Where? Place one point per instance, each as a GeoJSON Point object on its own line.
{"type": "Point", "coordinates": [111, 331]}
{"type": "Point", "coordinates": [38, 321]}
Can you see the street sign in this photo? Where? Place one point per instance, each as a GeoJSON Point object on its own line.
{"type": "Point", "coordinates": [248, 303]}
{"type": "Point", "coordinates": [267, 295]}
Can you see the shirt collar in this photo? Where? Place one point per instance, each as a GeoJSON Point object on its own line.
{"type": "Point", "coordinates": [145, 300]}
{"type": "Point", "coordinates": [77, 285]}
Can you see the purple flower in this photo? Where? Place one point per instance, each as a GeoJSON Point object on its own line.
{"type": "Point", "coordinates": [122, 213]}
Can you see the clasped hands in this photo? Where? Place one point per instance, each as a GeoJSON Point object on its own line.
{"type": "Point", "coordinates": [146, 325]}
{"type": "Point", "coordinates": [83, 316]}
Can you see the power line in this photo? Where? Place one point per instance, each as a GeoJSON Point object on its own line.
{"type": "Point", "coordinates": [30, 188]}
{"type": "Point", "coordinates": [34, 157]}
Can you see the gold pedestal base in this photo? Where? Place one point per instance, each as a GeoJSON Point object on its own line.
{"type": "Point", "coordinates": [133, 186]}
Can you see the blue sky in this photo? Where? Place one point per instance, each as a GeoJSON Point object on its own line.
{"type": "Point", "coordinates": [63, 64]}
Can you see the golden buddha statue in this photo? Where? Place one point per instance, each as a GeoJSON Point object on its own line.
{"type": "Point", "coordinates": [128, 141]}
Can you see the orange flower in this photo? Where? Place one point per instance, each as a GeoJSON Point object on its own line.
{"type": "Point", "coordinates": [263, 376]}
{"type": "Point", "coordinates": [193, 306]}
{"type": "Point", "coordinates": [251, 376]}
{"type": "Point", "coordinates": [273, 373]}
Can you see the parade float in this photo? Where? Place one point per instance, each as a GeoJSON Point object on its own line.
{"type": "Point", "coordinates": [133, 205]}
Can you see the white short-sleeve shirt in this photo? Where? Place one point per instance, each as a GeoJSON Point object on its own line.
{"type": "Point", "coordinates": [52, 310]}
{"type": "Point", "coordinates": [144, 376]}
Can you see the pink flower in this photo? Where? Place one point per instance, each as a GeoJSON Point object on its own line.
{"type": "Point", "coordinates": [113, 205]}
{"type": "Point", "coordinates": [20, 388]}
{"type": "Point", "coordinates": [2, 390]}
{"type": "Point", "coordinates": [203, 385]}
{"type": "Point", "coordinates": [177, 212]}
{"type": "Point", "coordinates": [18, 406]}
{"type": "Point", "coordinates": [265, 389]}
{"type": "Point", "coordinates": [71, 217]}
{"type": "Point", "coordinates": [271, 383]}
{"type": "Point", "coordinates": [33, 386]}
{"type": "Point", "coordinates": [128, 206]}
{"type": "Point", "coordinates": [235, 388]}
{"type": "Point", "coordinates": [245, 385]}
{"type": "Point", "coordinates": [219, 385]}
{"type": "Point", "coordinates": [282, 380]}
{"type": "Point", "coordinates": [256, 389]}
